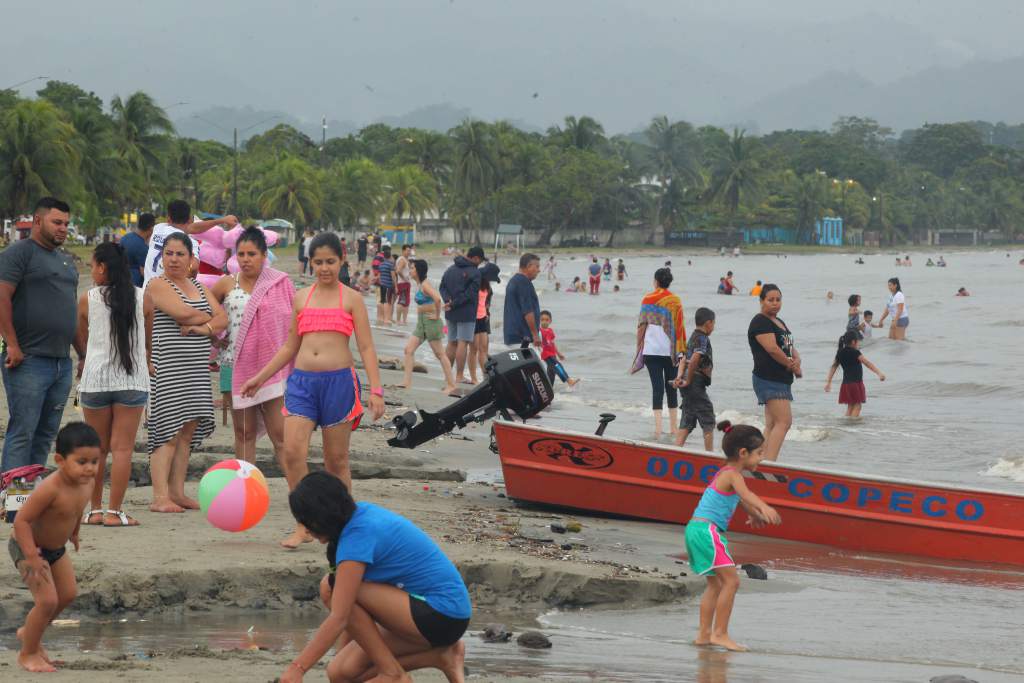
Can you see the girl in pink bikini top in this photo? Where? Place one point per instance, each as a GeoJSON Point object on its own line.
{"type": "Point", "coordinates": [325, 319]}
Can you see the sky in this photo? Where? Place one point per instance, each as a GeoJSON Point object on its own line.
{"type": "Point", "coordinates": [536, 61]}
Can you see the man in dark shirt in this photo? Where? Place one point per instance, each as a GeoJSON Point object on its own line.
{"type": "Point", "coordinates": [522, 308]}
{"type": "Point", "coordinates": [386, 274]}
{"type": "Point", "coordinates": [38, 317]}
{"type": "Point", "coordinates": [136, 246]}
{"type": "Point", "coordinates": [460, 290]}
{"type": "Point", "coordinates": [361, 245]}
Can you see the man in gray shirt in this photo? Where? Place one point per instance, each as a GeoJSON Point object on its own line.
{"type": "Point", "coordinates": [38, 316]}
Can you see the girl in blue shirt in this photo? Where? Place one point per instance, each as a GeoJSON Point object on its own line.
{"type": "Point", "coordinates": [397, 602]}
{"type": "Point", "coordinates": [706, 545]}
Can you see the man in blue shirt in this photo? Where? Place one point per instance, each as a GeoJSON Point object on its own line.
{"type": "Point", "coordinates": [522, 308]}
{"type": "Point", "coordinates": [136, 246]}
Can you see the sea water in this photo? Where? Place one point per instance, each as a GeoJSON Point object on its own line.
{"type": "Point", "coordinates": [949, 410]}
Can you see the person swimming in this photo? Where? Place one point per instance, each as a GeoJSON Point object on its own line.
{"type": "Point", "coordinates": [962, 292]}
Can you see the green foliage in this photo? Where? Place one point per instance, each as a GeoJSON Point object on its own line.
{"type": "Point", "coordinates": [574, 179]}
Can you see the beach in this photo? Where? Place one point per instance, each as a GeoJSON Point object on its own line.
{"type": "Point", "coordinates": [178, 600]}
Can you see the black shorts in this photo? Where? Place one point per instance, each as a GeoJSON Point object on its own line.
{"type": "Point", "coordinates": [483, 325]}
{"type": "Point", "coordinates": [51, 556]}
{"type": "Point", "coordinates": [697, 407]}
{"type": "Point", "coordinates": [439, 629]}
{"type": "Point", "coordinates": [386, 294]}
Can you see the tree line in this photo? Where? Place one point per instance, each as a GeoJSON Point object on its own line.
{"type": "Point", "coordinates": [573, 179]}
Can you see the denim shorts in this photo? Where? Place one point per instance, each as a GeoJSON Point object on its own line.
{"type": "Point", "coordinates": [461, 331]}
{"type": "Point", "coordinates": [766, 390]}
{"type": "Point", "coordinates": [97, 400]}
{"type": "Point", "coordinates": [903, 322]}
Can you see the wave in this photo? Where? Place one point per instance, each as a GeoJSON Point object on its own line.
{"type": "Point", "coordinates": [1007, 323]}
{"type": "Point", "coordinates": [805, 434]}
{"type": "Point", "coordinates": [955, 389]}
{"type": "Point", "coordinates": [1007, 468]}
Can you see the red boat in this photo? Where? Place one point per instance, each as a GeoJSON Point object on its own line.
{"type": "Point", "coordinates": [852, 511]}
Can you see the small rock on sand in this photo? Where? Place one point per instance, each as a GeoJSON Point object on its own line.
{"type": "Point", "coordinates": [534, 640]}
{"type": "Point", "coordinates": [496, 633]}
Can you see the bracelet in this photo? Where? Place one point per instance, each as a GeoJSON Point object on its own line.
{"type": "Point", "coordinates": [209, 328]}
{"type": "Point", "coordinates": [377, 391]}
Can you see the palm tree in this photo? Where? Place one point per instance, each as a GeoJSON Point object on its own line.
{"type": "Point", "coordinates": [354, 190]}
{"type": "Point", "coordinates": [292, 191]}
{"type": "Point", "coordinates": [673, 154]}
{"type": "Point", "coordinates": [408, 190]}
{"type": "Point", "coordinates": [808, 195]}
{"type": "Point", "coordinates": [475, 169]}
{"type": "Point", "coordinates": [582, 133]}
{"type": "Point", "coordinates": [103, 172]}
{"type": "Point", "coordinates": [736, 174]}
{"type": "Point", "coordinates": [38, 155]}
{"type": "Point", "coordinates": [143, 133]}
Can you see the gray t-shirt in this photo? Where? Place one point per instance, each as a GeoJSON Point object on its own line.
{"type": "Point", "coordinates": [45, 306]}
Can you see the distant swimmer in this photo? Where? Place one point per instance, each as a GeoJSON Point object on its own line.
{"type": "Point", "coordinates": [941, 263]}
{"type": "Point", "coordinates": [620, 271]}
{"type": "Point", "coordinates": [962, 292]}
{"type": "Point", "coordinates": [929, 263]}
{"type": "Point", "coordinates": [853, 323]}
{"type": "Point", "coordinates": [756, 289]}
{"type": "Point", "coordinates": [906, 261]}
{"type": "Point", "coordinates": [899, 261]}
{"type": "Point", "coordinates": [897, 308]}
{"type": "Point", "coordinates": [606, 269]}
{"type": "Point", "coordinates": [859, 261]}
{"type": "Point", "coordinates": [865, 329]}
{"type": "Point", "coordinates": [725, 284]}
{"type": "Point", "coordinates": [852, 393]}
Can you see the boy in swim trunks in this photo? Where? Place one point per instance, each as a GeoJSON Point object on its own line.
{"type": "Point", "coordinates": [51, 517]}
{"type": "Point", "coordinates": [694, 381]}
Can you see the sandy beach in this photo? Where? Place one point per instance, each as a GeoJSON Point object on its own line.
{"type": "Point", "coordinates": [513, 564]}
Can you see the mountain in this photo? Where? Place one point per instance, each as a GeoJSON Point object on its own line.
{"type": "Point", "coordinates": [218, 123]}
{"type": "Point", "coordinates": [979, 90]}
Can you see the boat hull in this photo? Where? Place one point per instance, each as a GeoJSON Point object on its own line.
{"type": "Point", "coordinates": [855, 512]}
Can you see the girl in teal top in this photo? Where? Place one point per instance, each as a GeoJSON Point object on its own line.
{"type": "Point", "coordinates": [706, 544]}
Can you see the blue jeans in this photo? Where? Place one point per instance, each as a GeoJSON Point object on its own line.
{"type": "Point", "coordinates": [36, 393]}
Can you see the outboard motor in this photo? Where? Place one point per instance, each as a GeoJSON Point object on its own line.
{"type": "Point", "coordinates": [514, 382]}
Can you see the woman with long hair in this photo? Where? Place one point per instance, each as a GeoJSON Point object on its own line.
{"type": "Point", "coordinates": [323, 390]}
{"type": "Point", "coordinates": [897, 308]}
{"type": "Point", "coordinates": [776, 363]}
{"type": "Point", "coordinates": [258, 301]}
{"type": "Point", "coordinates": [186, 319]}
{"type": "Point", "coordinates": [114, 385]}
{"type": "Point", "coordinates": [660, 340]}
{"type": "Point", "coordinates": [429, 327]}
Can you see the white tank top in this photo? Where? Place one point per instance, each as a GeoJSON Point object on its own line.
{"type": "Point", "coordinates": [103, 370]}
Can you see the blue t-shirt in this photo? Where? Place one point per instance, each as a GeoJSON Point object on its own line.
{"type": "Point", "coordinates": [135, 248]}
{"type": "Point", "coordinates": [398, 553]}
{"type": "Point", "coordinates": [520, 299]}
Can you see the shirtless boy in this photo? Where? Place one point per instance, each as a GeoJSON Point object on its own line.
{"type": "Point", "coordinates": [50, 518]}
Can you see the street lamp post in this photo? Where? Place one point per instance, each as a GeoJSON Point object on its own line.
{"type": "Point", "coordinates": [234, 163]}
{"type": "Point", "coordinates": [27, 80]}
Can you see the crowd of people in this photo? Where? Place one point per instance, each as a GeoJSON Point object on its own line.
{"type": "Point", "coordinates": [144, 335]}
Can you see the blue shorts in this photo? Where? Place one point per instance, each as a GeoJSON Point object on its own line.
{"type": "Point", "coordinates": [327, 398]}
{"type": "Point", "coordinates": [767, 390]}
{"type": "Point", "coordinates": [903, 322]}
{"type": "Point", "coordinates": [461, 331]}
{"type": "Point", "coordinates": [98, 400]}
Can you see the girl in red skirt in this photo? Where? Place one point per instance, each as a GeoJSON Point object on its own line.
{"type": "Point", "coordinates": [852, 393]}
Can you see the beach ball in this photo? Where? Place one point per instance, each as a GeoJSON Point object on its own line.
{"type": "Point", "coordinates": [234, 496]}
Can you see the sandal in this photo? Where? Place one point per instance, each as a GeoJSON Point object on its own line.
{"type": "Point", "coordinates": [88, 515]}
{"type": "Point", "coordinates": [124, 519]}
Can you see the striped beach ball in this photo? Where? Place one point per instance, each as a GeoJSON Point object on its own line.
{"type": "Point", "coordinates": [234, 496]}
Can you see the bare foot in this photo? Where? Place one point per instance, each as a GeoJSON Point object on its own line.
{"type": "Point", "coordinates": [449, 389]}
{"type": "Point", "coordinates": [573, 381]}
{"type": "Point", "coordinates": [454, 663]}
{"type": "Point", "coordinates": [728, 643]}
{"type": "Point", "coordinates": [36, 663]}
{"type": "Point", "coordinates": [42, 650]}
{"type": "Point", "coordinates": [165, 505]}
{"type": "Point", "coordinates": [702, 639]}
{"type": "Point", "coordinates": [298, 537]}
{"type": "Point", "coordinates": [186, 502]}
{"type": "Point", "coordinates": [403, 386]}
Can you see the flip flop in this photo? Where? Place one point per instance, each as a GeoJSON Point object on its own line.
{"type": "Point", "coordinates": [124, 519]}
{"type": "Point", "coordinates": [88, 515]}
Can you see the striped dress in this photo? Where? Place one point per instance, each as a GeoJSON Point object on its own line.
{"type": "Point", "coordinates": [180, 392]}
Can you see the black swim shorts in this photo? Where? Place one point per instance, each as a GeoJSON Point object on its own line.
{"type": "Point", "coordinates": [439, 629]}
{"type": "Point", "coordinates": [51, 556]}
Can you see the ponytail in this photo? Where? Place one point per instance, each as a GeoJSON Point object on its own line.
{"type": "Point", "coordinates": [848, 338]}
{"type": "Point", "coordinates": [119, 295]}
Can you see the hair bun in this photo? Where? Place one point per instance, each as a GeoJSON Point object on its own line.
{"type": "Point", "coordinates": [725, 426]}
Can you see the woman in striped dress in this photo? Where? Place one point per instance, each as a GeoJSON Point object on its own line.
{"type": "Point", "coordinates": [181, 414]}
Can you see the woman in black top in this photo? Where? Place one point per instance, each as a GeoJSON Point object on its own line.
{"type": "Point", "coordinates": [776, 362]}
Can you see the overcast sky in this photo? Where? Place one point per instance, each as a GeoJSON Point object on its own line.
{"type": "Point", "coordinates": [618, 60]}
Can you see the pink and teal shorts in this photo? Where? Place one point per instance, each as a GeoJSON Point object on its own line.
{"type": "Point", "coordinates": [707, 547]}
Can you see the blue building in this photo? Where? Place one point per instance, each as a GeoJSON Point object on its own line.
{"type": "Point", "coordinates": [829, 232]}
